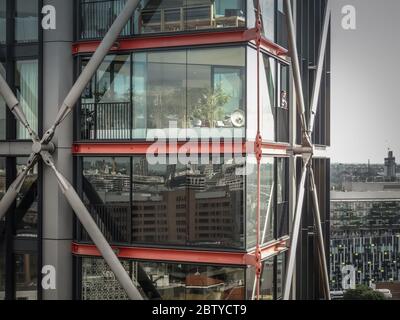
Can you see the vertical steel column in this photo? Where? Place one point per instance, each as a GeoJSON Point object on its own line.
{"type": "Point", "coordinates": [258, 150]}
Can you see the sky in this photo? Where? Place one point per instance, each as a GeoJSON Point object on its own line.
{"type": "Point", "coordinates": [365, 82]}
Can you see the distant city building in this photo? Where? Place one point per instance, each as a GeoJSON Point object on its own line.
{"type": "Point", "coordinates": [365, 233]}
{"type": "Point", "coordinates": [390, 166]}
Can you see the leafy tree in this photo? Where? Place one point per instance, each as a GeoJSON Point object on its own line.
{"type": "Point", "coordinates": [363, 292]}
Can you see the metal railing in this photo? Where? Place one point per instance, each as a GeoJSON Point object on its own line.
{"type": "Point", "coordinates": [106, 121]}
{"type": "Point", "coordinates": [98, 16]}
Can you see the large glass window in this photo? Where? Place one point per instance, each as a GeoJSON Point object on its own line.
{"type": "Point", "coordinates": [268, 97]}
{"type": "Point", "coordinates": [3, 107]}
{"type": "Point", "coordinates": [26, 212]}
{"type": "Point", "coordinates": [282, 108]}
{"type": "Point", "coordinates": [216, 91]}
{"type": "Point", "coordinates": [26, 277]}
{"type": "Point", "coordinates": [282, 197]}
{"type": "Point", "coordinates": [3, 21]}
{"type": "Point", "coordinates": [164, 281]}
{"type": "Point", "coordinates": [106, 186]}
{"type": "Point", "coordinates": [170, 204]}
{"type": "Point", "coordinates": [106, 100]}
{"type": "Point", "coordinates": [280, 275]}
{"type": "Point", "coordinates": [266, 227]}
{"type": "Point", "coordinates": [274, 98]}
{"type": "Point", "coordinates": [2, 230]}
{"type": "Point", "coordinates": [281, 32]}
{"type": "Point", "coordinates": [166, 90]}
{"type": "Point", "coordinates": [26, 20]}
{"type": "Point", "coordinates": [26, 85]}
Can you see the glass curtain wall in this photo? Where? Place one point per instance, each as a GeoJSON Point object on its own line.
{"type": "Point", "coordinates": [170, 204]}
{"type": "Point", "coordinates": [3, 106]}
{"type": "Point", "coordinates": [26, 21]}
{"type": "Point", "coordinates": [2, 230]}
{"type": "Point", "coordinates": [144, 95]}
{"type": "Point", "coordinates": [26, 86]}
{"type": "Point", "coordinates": [161, 16]}
{"type": "Point", "coordinates": [274, 216]}
{"type": "Point", "coordinates": [274, 97]}
{"type": "Point", "coordinates": [26, 212]}
{"type": "Point", "coordinates": [164, 281]}
{"type": "Point", "coordinates": [3, 22]}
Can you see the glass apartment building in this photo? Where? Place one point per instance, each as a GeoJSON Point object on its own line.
{"type": "Point", "coordinates": [180, 69]}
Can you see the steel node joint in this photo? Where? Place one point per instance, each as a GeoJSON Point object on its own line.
{"type": "Point", "coordinates": [258, 147]}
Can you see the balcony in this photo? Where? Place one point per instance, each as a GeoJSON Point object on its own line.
{"type": "Point", "coordinates": [105, 121]}
{"type": "Point", "coordinates": [161, 16]}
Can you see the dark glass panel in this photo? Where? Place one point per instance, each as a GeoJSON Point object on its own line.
{"type": "Point", "coordinates": [192, 205]}
{"type": "Point", "coordinates": [280, 275]}
{"type": "Point", "coordinates": [106, 185]}
{"type": "Point", "coordinates": [26, 20]}
{"type": "Point", "coordinates": [2, 230]}
{"type": "Point", "coordinates": [26, 276]}
{"type": "Point", "coordinates": [3, 16]}
{"type": "Point", "coordinates": [266, 201]}
{"type": "Point", "coordinates": [282, 109]}
{"type": "Point", "coordinates": [106, 100]}
{"type": "Point", "coordinates": [27, 85]}
{"type": "Point", "coordinates": [26, 212]}
{"type": "Point", "coordinates": [282, 206]}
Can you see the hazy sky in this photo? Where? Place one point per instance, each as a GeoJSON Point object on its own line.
{"type": "Point", "coordinates": [365, 82]}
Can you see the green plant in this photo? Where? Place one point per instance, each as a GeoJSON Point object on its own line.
{"type": "Point", "coordinates": [210, 106]}
{"type": "Point", "coordinates": [363, 292]}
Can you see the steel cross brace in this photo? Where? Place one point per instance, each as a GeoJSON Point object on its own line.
{"type": "Point", "coordinates": [44, 148]}
{"type": "Point", "coordinates": [306, 151]}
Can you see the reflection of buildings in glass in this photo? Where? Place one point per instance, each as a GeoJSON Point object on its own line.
{"type": "Point", "coordinates": [26, 276]}
{"type": "Point", "coordinates": [170, 281]}
{"type": "Point", "coordinates": [365, 233]}
{"type": "Point", "coordinates": [199, 204]}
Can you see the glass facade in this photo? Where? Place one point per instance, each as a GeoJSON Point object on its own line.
{"type": "Point", "coordinates": [3, 21]}
{"type": "Point", "coordinates": [3, 106]}
{"type": "Point", "coordinates": [274, 215]}
{"type": "Point", "coordinates": [135, 96]}
{"type": "Point", "coordinates": [199, 205]}
{"type": "Point", "coordinates": [26, 212]}
{"type": "Point", "coordinates": [2, 231]}
{"type": "Point", "coordinates": [161, 16]}
{"type": "Point", "coordinates": [26, 277]}
{"type": "Point", "coordinates": [274, 97]}
{"type": "Point", "coordinates": [26, 85]}
{"type": "Point", "coordinates": [26, 21]}
{"type": "Point", "coordinates": [164, 281]}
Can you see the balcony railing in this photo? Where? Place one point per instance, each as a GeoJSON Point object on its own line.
{"type": "Point", "coordinates": [105, 121]}
{"type": "Point", "coordinates": [98, 16]}
{"type": "Point", "coordinates": [159, 17]}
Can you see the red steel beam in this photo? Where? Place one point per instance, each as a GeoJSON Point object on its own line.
{"type": "Point", "coordinates": [181, 40]}
{"type": "Point", "coordinates": [183, 256]}
{"type": "Point", "coordinates": [171, 148]}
